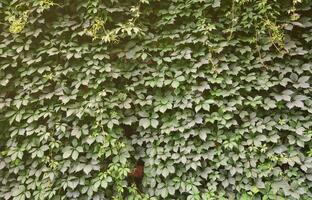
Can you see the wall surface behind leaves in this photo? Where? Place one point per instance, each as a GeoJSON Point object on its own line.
{"type": "Point", "coordinates": [213, 96]}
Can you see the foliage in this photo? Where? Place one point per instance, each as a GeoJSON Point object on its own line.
{"type": "Point", "coordinates": [213, 95]}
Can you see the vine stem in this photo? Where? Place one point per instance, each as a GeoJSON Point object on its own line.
{"type": "Point", "coordinates": [232, 25]}
{"type": "Point", "coordinates": [258, 50]}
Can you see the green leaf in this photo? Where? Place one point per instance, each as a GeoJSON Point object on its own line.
{"type": "Point", "coordinates": [216, 3]}
{"type": "Point", "coordinates": [154, 123]}
{"type": "Point", "coordinates": [143, 56]}
{"type": "Point", "coordinates": [175, 84]}
{"type": "Point", "coordinates": [67, 153]}
{"type": "Point", "coordinates": [145, 122]}
{"type": "Point", "coordinates": [203, 135]}
{"type": "Point", "coordinates": [87, 169]}
{"type": "Point", "coordinates": [254, 189]}
{"type": "Point", "coordinates": [75, 155]}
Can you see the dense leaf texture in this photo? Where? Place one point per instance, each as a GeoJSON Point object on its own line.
{"type": "Point", "coordinates": [213, 95]}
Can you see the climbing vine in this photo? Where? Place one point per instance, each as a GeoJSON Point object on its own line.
{"type": "Point", "coordinates": [149, 99]}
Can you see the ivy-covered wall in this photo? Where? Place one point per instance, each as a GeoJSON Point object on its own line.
{"type": "Point", "coordinates": [155, 99]}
